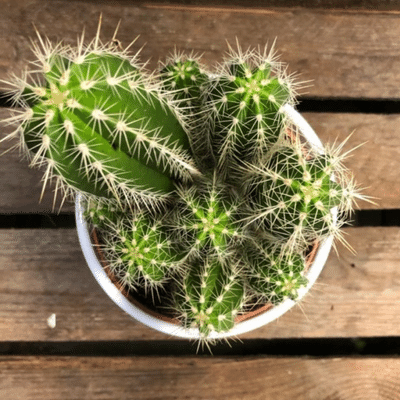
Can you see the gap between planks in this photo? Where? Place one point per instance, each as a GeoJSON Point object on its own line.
{"type": "Point", "coordinates": [249, 7]}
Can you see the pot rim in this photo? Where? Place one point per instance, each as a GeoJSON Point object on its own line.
{"type": "Point", "coordinates": [193, 333]}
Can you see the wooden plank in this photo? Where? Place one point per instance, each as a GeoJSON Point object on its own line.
{"type": "Point", "coordinates": [169, 378]}
{"type": "Point", "coordinates": [43, 272]}
{"type": "Point", "coordinates": [375, 164]}
{"type": "Point", "coordinates": [345, 53]}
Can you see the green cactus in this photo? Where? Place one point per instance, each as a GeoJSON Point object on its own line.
{"type": "Point", "coordinates": [294, 192]}
{"type": "Point", "coordinates": [101, 125]}
{"type": "Point", "coordinates": [101, 214]}
{"type": "Point", "coordinates": [206, 215]}
{"type": "Point", "coordinates": [141, 251]}
{"type": "Point", "coordinates": [247, 199]}
{"type": "Point", "coordinates": [244, 102]}
{"type": "Point", "coordinates": [211, 297]}
{"type": "Point", "coordinates": [273, 274]}
{"type": "Point", "coordinates": [184, 77]}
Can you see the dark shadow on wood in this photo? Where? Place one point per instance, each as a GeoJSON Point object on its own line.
{"type": "Point", "coordinates": [314, 104]}
{"type": "Point", "coordinates": [318, 347]}
{"type": "Point", "coordinates": [362, 5]}
{"type": "Point", "coordinates": [350, 106]}
{"type": "Point", "coordinates": [66, 220]}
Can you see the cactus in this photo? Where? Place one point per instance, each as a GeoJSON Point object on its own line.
{"type": "Point", "coordinates": [210, 297]}
{"type": "Point", "coordinates": [294, 192]}
{"type": "Point", "coordinates": [184, 77]}
{"type": "Point", "coordinates": [140, 250]}
{"type": "Point", "coordinates": [100, 124]}
{"type": "Point", "coordinates": [244, 102]}
{"type": "Point", "coordinates": [207, 217]}
{"type": "Point", "coordinates": [273, 274]}
{"type": "Point", "coordinates": [101, 214]}
{"type": "Point", "coordinates": [246, 198]}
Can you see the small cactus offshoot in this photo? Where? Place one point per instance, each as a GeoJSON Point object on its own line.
{"type": "Point", "coordinates": [184, 77]}
{"type": "Point", "coordinates": [100, 214]}
{"type": "Point", "coordinates": [140, 251]}
{"type": "Point", "coordinates": [211, 297]}
{"type": "Point", "coordinates": [206, 216]}
{"type": "Point", "coordinates": [273, 274]}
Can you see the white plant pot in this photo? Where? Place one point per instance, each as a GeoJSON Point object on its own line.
{"type": "Point", "coordinates": [193, 333]}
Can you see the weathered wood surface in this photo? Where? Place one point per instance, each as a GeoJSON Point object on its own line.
{"type": "Point", "coordinates": [345, 53]}
{"type": "Point", "coordinates": [44, 272]}
{"type": "Point", "coordinates": [190, 378]}
{"type": "Point", "coordinates": [375, 165]}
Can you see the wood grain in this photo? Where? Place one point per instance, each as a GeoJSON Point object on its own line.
{"type": "Point", "coordinates": [190, 378]}
{"type": "Point", "coordinates": [345, 54]}
{"type": "Point", "coordinates": [375, 164]}
{"type": "Point", "coordinates": [43, 272]}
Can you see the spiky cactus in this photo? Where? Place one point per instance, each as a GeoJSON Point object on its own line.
{"type": "Point", "coordinates": [293, 193]}
{"type": "Point", "coordinates": [243, 102]}
{"type": "Point", "coordinates": [101, 214]}
{"type": "Point", "coordinates": [217, 145]}
{"type": "Point", "coordinates": [211, 297]}
{"type": "Point", "coordinates": [100, 124]}
{"type": "Point", "coordinates": [207, 217]}
{"type": "Point", "coordinates": [184, 77]}
{"type": "Point", "coordinates": [273, 273]}
{"type": "Point", "coordinates": [140, 250]}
